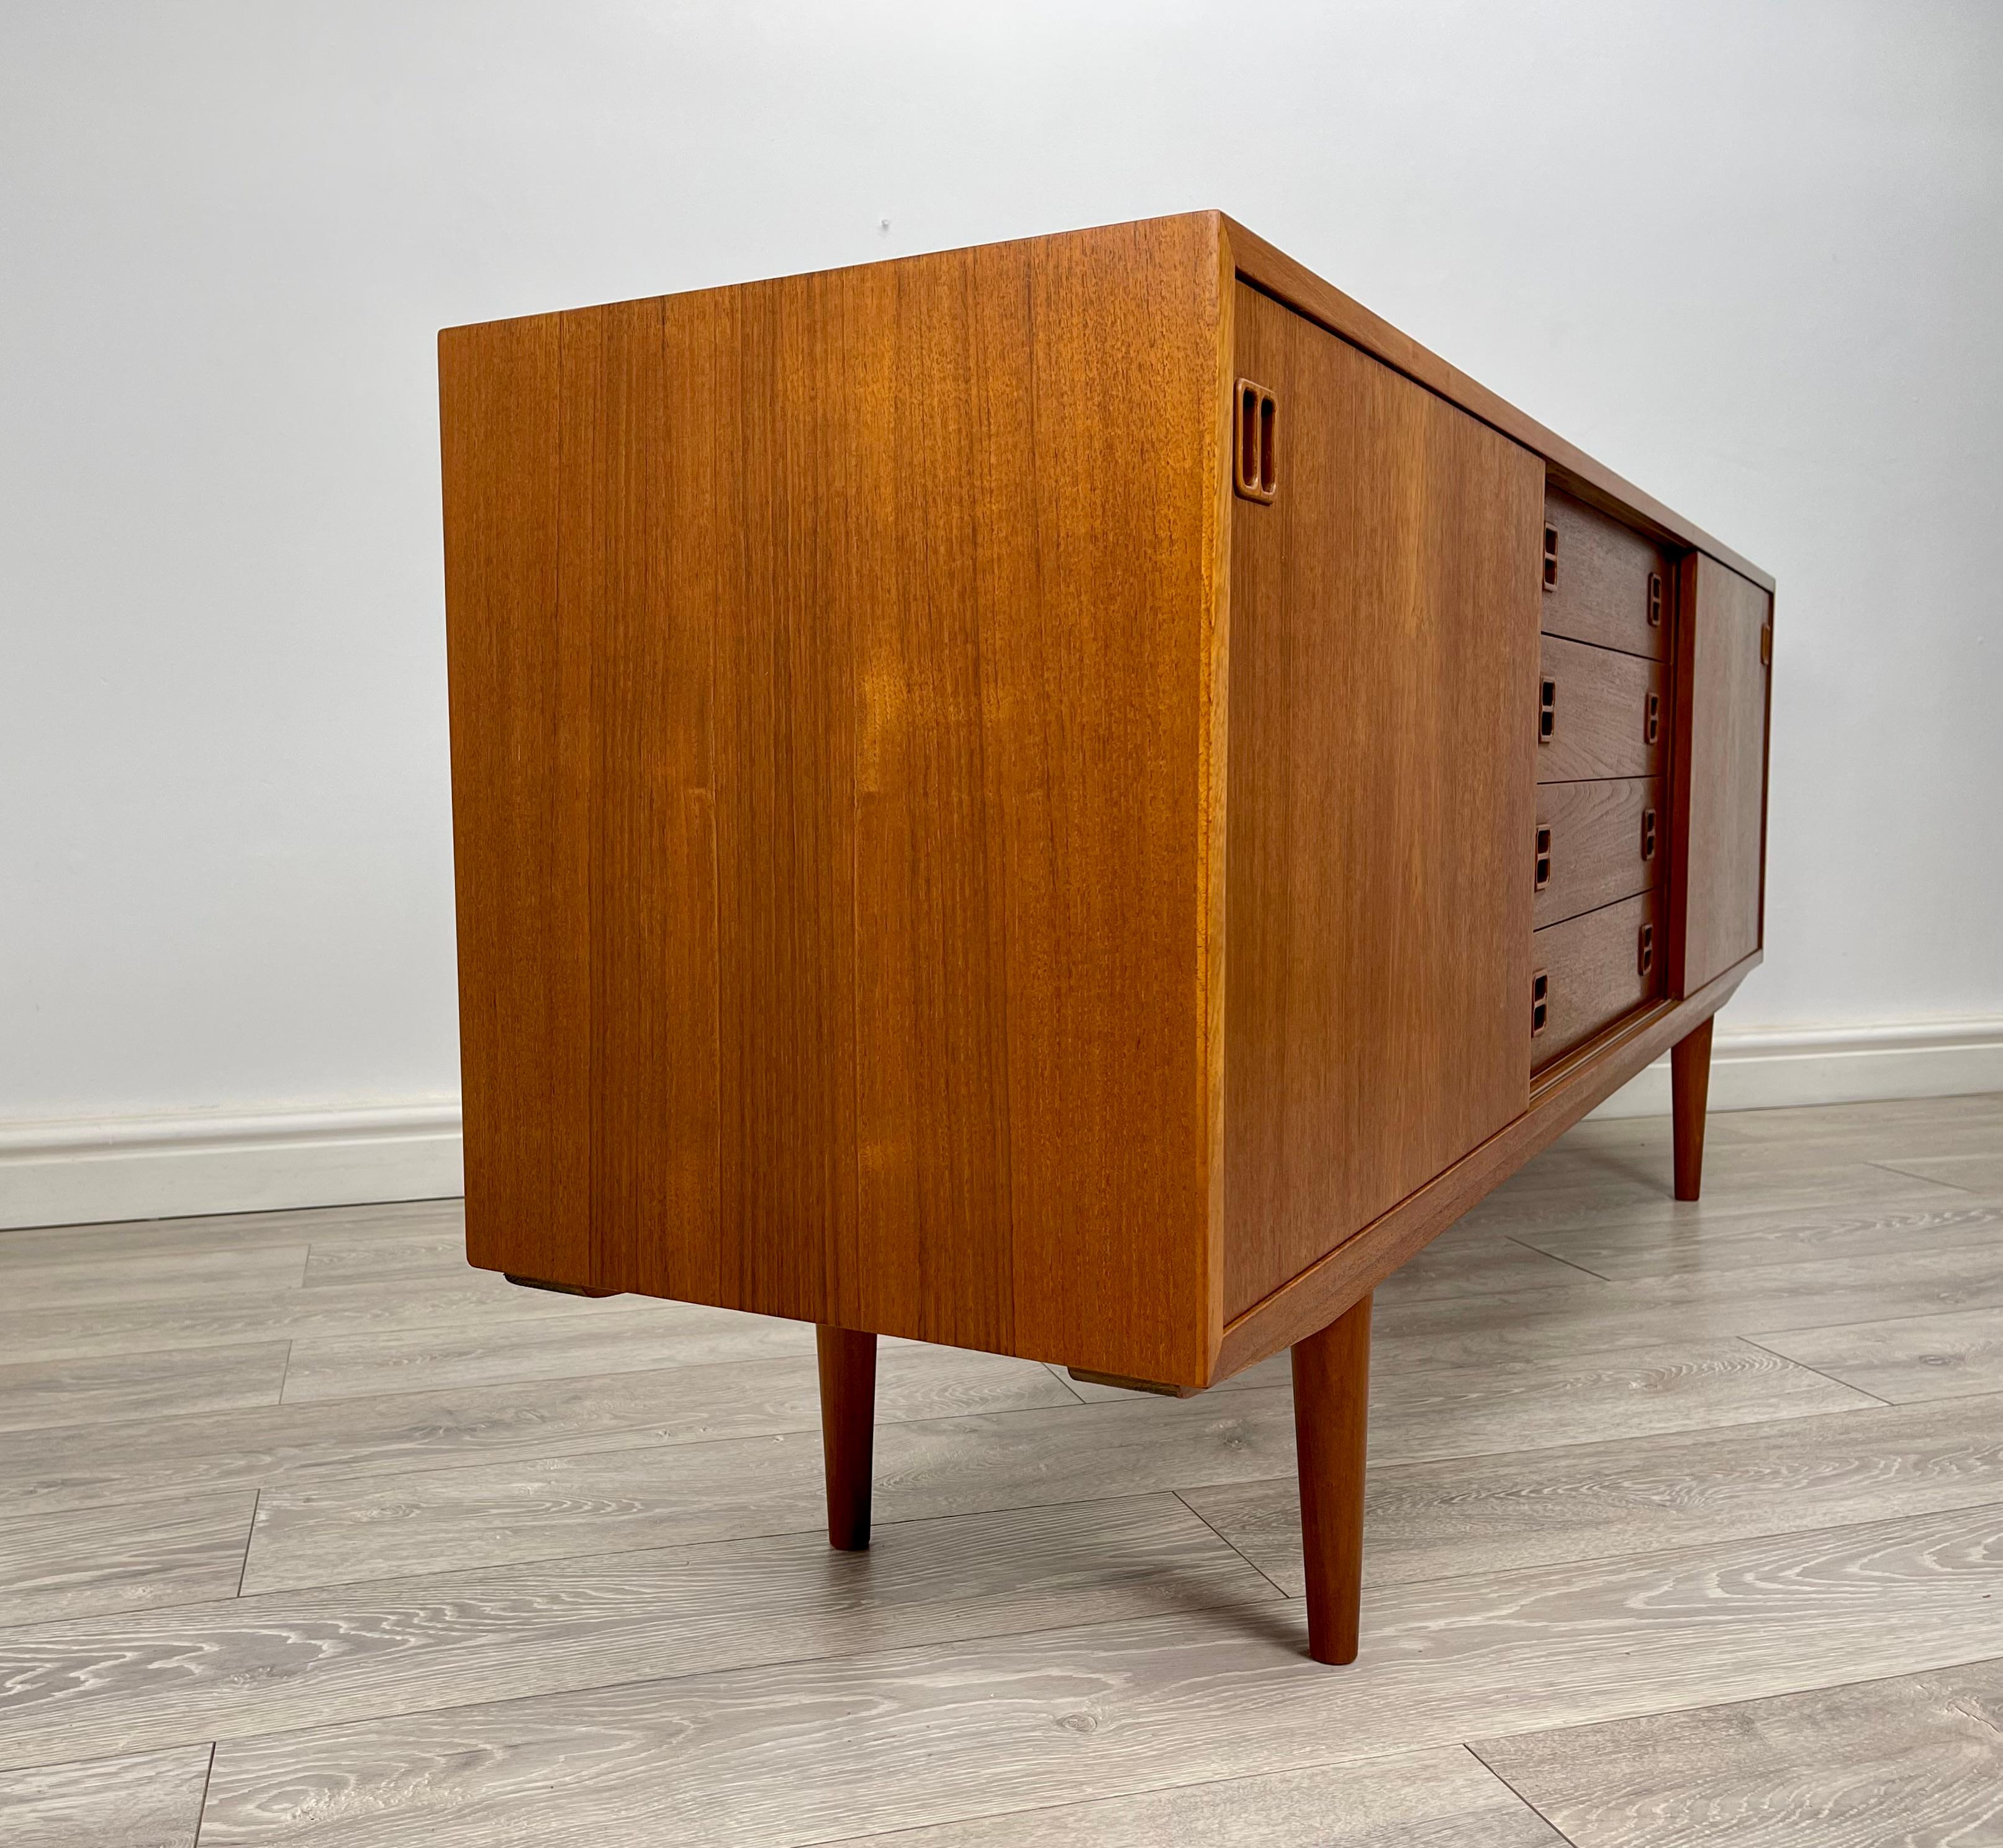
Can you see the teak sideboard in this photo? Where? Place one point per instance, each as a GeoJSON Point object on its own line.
{"type": "Point", "coordinates": [1082, 798]}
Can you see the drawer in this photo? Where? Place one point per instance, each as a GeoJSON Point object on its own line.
{"type": "Point", "coordinates": [1599, 713]}
{"type": "Point", "coordinates": [1592, 969]}
{"type": "Point", "coordinates": [1597, 843]}
{"type": "Point", "coordinates": [1604, 583]}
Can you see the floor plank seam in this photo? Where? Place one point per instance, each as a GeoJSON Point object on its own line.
{"type": "Point", "coordinates": [1572, 1263]}
{"type": "Point", "coordinates": [1932, 1179]}
{"type": "Point", "coordinates": [1474, 1753]}
{"type": "Point", "coordinates": [1058, 1374]}
{"type": "Point", "coordinates": [1889, 1404]}
{"type": "Point", "coordinates": [1232, 1544]}
{"type": "Point", "coordinates": [201, 1805]}
{"type": "Point", "coordinates": [249, 1539]}
{"type": "Point", "coordinates": [347, 1474]}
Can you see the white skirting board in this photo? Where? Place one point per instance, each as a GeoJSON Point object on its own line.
{"type": "Point", "coordinates": [1769, 1068]}
{"type": "Point", "coordinates": [76, 1173]}
{"type": "Point", "coordinates": [57, 1174]}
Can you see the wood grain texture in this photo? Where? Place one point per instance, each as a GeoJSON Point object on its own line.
{"type": "Point", "coordinates": [229, 1232]}
{"type": "Point", "coordinates": [467, 1302]}
{"type": "Point", "coordinates": [1442, 1798]}
{"type": "Point", "coordinates": [1718, 849]}
{"type": "Point", "coordinates": [1431, 1518]}
{"type": "Point", "coordinates": [1602, 592]}
{"type": "Point", "coordinates": [414, 1644]}
{"type": "Point", "coordinates": [915, 723]}
{"type": "Point", "coordinates": [36, 1394]}
{"type": "Point", "coordinates": [1689, 1078]}
{"type": "Point", "coordinates": [1384, 615]}
{"type": "Point", "coordinates": [1600, 727]}
{"type": "Point", "coordinates": [531, 1504]}
{"type": "Point", "coordinates": [1913, 1759]}
{"type": "Point", "coordinates": [847, 1417]}
{"type": "Point", "coordinates": [64, 1279]}
{"type": "Point", "coordinates": [148, 1800]}
{"type": "Point", "coordinates": [1904, 1358]}
{"type": "Point", "coordinates": [520, 688]}
{"type": "Point", "coordinates": [174, 1552]}
{"type": "Point", "coordinates": [1594, 966]}
{"type": "Point", "coordinates": [1067, 1717]}
{"type": "Point", "coordinates": [1698, 1306]}
{"type": "Point", "coordinates": [1740, 1238]}
{"type": "Point", "coordinates": [1979, 1173]}
{"type": "Point", "coordinates": [1597, 840]}
{"type": "Point", "coordinates": [1331, 1432]}
{"type": "Point", "coordinates": [136, 1459]}
{"type": "Point", "coordinates": [618, 1338]}
{"type": "Point", "coordinates": [1310, 1300]}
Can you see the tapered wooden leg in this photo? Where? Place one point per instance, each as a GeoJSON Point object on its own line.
{"type": "Point", "coordinates": [847, 1423]}
{"type": "Point", "coordinates": [1690, 1085]}
{"type": "Point", "coordinates": [1331, 1425]}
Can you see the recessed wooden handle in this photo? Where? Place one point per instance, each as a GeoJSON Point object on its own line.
{"type": "Point", "coordinates": [1258, 467]}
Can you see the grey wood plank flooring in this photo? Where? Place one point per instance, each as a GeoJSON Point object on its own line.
{"type": "Point", "coordinates": [154, 1277]}
{"type": "Point", "coordinates": [97, 1465]}
{"type": "Point", "coordinates": [1981, 1174]}
{"type": "Point", "coordinates": [1692, 1305]}
{"type": "Point", "coordinates": [470, 1299]}
{"type": "Point", "coordinates": [1623, 1253]}
{"type": "Point", "coordinates": [1907, 1357]}
{"type": "Point", "coordinates": [1442, 1798]}
{"type": "Point", "coordinates": [1917, 1759]}
{"type": "Point", "coordinates": [181, 1551]}
{"type": "Point", "coordinates": [37, 1393]}
{"type": "Point", "coordinates": [230, 1232]}
{"type": "Point", "coordinates": [918, 1737]}
{"type": "Point", "coordinates": [615, 1338]}
{"type": "Point", "coordinates": [326, 1656]}
{"type": "Point", "coordinates": [1435, 1519]}
{"type": "Point", "coordinates": [1685, 1515]}
{"type": "Point", "coordinates": [152, 1801]}
{"type": "Point", "coordinates": [545, 1505]}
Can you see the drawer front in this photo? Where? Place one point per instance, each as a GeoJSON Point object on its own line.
{"type": "Point", "coordinates": [1593, 969]}
{"type": "Point", "coordinates": [1599, 713]}
{"type": "Point", "coordinates": [1597, 843]}
{"type": "Point", "coordinates": [1604, 583]}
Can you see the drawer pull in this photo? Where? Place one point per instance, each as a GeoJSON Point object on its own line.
{"type": "Point", "coordinates": [1651, 727]}
{"type": "Point", "coordinates": [1548, 712]}
{"type": "Point", "coordinates": [1550, 556]}
{"type": "Point", "coordinates": [1645, 952]}
{"type": "Point", "coordinates": [1258, 469]}
{"type": "Point", "coordinates": [1540, 1002]}
{"type": "Point", "coordinates": [1648, 834]}
{"type": "Point", "coordinates": [1655, 599]}
{"type": "Point", "coordinates": [1543, 858]}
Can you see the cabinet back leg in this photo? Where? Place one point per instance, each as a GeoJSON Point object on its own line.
{"type": "Point", "coordinates": [1331, 1428]}
{"type": "Point", "coordinates": [1690, 1086]}
{"type": "Point", "coordinates": [847, 1424]}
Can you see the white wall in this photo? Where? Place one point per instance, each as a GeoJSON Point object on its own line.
{"type": "Point", "coordinates": [1748, 254]}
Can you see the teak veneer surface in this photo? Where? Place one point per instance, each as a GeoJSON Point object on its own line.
{"type": "Point", "coordinates": [1598, 835]}
{"type": "Point", "coordinates": [933, 860]}
{"type": "Point", "coordinates": [1383, 640]}
{"type": "Point", "coordinates": [831, 662]}
{"type": "Point", "coordinates": [1721, 850]}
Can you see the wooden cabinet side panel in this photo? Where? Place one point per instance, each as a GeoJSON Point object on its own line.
{"type": "Point", "coordinates": [1719, 871]}
{"type": "Point", "coordinates": [520, 691]}
{"type": "Point", "coordinates": [1381, 800]}
{"type": "Point", "coordinates": [836, 831]}
{"type": "Point", "coordinates": [959, 712]}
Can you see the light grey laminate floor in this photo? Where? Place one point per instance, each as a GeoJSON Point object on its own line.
{"type": "Point", "coordinates": [1685, 1527]}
